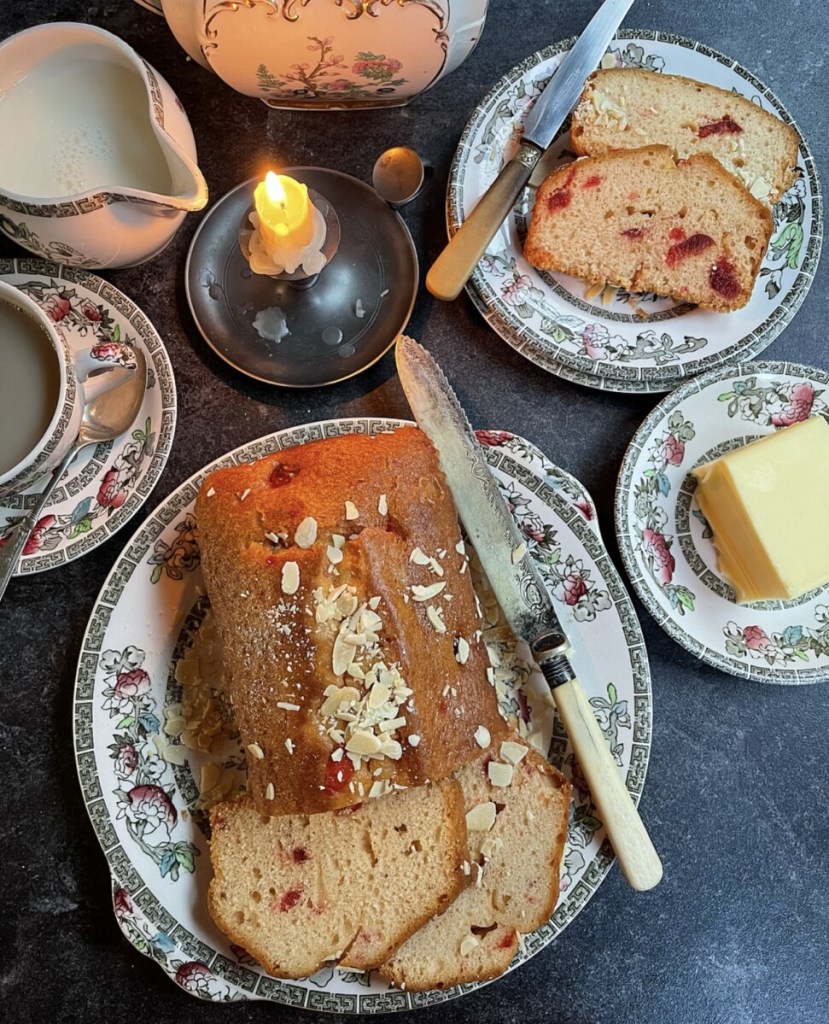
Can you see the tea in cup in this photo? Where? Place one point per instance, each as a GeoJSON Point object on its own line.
{"type": "Point", "coordinates": [43, 389]}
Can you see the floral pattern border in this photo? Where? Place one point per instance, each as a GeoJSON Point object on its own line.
{"type": "Point", "coordinates": [103, 492]}
{"type": "Point", "coordinates": [116, 678]}
{"type": "Point", "coordinates": [771, 641]}
{"type": "Point", "coordinates": [597, 351]}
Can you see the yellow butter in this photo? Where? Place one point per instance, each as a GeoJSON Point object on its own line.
{"type": "Point", "coordinates": [768, 507]}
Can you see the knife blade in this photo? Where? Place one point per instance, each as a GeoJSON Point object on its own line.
{"type": "Point", "coordinates": [524, 599]}
{"type": "Point", "coordinates": [451, 270]}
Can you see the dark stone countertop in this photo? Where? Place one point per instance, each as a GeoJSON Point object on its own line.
{"type": "Point", "coordinates": [735, 798]}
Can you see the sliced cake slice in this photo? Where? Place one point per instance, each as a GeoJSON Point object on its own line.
{"type": "Point", "coordinates": [517, 812]}
{"type": "Point", "coordinates": [644, 221]}
{"type": "Point", "coordinates": [627, 108]}
{"type": "Point", "coordinates": [347, 886]}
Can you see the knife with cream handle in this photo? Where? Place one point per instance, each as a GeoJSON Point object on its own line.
{"type": "Point", "coordinates": [451, 270]}
{"type": "Point", "coordinates": [524, 600]}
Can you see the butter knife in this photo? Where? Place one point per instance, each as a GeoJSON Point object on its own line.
{"type": "Point", "coordinates": [524, 600]}
{"type": "Point", "coordinates": [451, 270]}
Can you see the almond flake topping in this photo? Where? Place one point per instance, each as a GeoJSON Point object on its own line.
{"type": "Point", "coordinates": [427, 593]}
{"type": "Point", "coordinates": [482, 737]}
{"type": "Point", "coordinates": [481, 818]}
{"type": "Point", "coordinates": [273, 538]}
{"type": "Point", "coordinates": [334, 555]}
{"type": "Point", "coordinates": [500, 774]}
{"type": "Point", "coordinates": [244, 494]}
{"type": "Point", "coordinates": [289, 745]}
{"type": "Point", "coordinates": [513, 752]}
{"type": "Point", "coordinates": [351, 511]}
{"type": "Point", "coordinates": [306, 533]}
{"type": "Point", "coordinates": [256, 751]}
{"type": "Point", "coordinates": [270, 792]}
{"type": "Point", "coordinates": [469, 943]}
{"type": "Point", "coordinates": [414, 740]}
{"type": "Point", "coordinates": [290, 578]}
{"type": "Point", "coordinates": [383, 505]}
{"type": "Point", "coordinates": [287, 706]}
{"type": "Point", "coordinates": [460, 548]}
{"type": "Point", "coordinates": [434, 615]}
{"type": "Point", "coordinates": [211, 491]}
{"type": "Point", "coordinates": [419, 557]}
{"type": "Point", "coordinates": [462, 653]}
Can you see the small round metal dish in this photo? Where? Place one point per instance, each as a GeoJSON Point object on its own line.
{"type": "Point", "coordinates": [291, 337]}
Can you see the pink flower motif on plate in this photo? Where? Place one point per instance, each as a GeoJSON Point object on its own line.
{"type": "Point", "coordinates": [756, 639]}
{"type": "Point", "coordinates": [654, 544]}
{"type": "Point", "coordinates": [152, 805]}
{"type": "Point", "coordinates": [194, 977]}
{"type": "Point", "coordinates": [35, 541]}
{"type": "Point", "coordinates": [573, 587]}
{"type": "Point", "coordinates": [492, 438]}
{"type": "Point", "coordinates": [133, 683]}
{"type": "Point", "coordinates": [673, 450]}
{"type": "Point", "coordinates": [594, 338]}
{"type": "Point", "coordinates": [517, 291]}
{"type": "Point", "coordinates": [122, 902]}
{"type": "Point", "coordinates": [56, 307]}
{"type": "Point", "coordinates": [110, 494]}
{"type": "Point", "coordinates": [801, 398]}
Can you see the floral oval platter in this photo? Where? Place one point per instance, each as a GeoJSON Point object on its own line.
{"type": "Point", "coordinates": [665, 540]}
{"type": "Point", "coordinates": [141, 784]}
{"type": "Point", "coordinates": [107, 483]}
{"type": "Point", "coordinates": [608, 338]}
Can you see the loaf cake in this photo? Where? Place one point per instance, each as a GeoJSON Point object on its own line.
{"type": "Point", "coordinates": [338, 577]}
{"type": "Point", "coordinates": [514, 865]}
{"type": "Point", "coordinates": [642, 220]}
{"type": "Point", "coordinates": [346, 887]}
{"type": "Point", "coordinates": [627, 108]}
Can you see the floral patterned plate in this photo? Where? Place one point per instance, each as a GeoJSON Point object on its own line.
{"type": "Point", "coordinates": [140, 785]}
{"type": "Point", "coordinates": [107, 483]}
{"type": "Point", "coordinates": [612, 339]}
{"type": "Point", "coordinates": [666, 542]}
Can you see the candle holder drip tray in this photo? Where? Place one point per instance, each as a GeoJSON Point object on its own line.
{"type": "Point", "coordinates": [278, 333]}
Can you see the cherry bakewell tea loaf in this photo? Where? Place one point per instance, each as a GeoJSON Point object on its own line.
{"type": "Point", "coordinates": [644, 221]}
{"type": "Point", "coordinates": [517, 812]}
{"type": "Point", "coordinates": [627, 108]}
{"type": "Point", "coordinates": [351, 633]}
{"type": "Point", "coordinates": [346, 887]}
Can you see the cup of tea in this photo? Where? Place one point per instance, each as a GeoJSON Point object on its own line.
{"type": "Point", "coordinates": [43, 389]}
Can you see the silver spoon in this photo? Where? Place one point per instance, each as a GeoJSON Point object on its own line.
{"type": "Point", "coordinates": [398, 175]}
{"type": "Point", "coordinates": [105, 417]}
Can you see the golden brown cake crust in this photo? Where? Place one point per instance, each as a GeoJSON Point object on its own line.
{"type": "Point", "coordinates": [279, 656]}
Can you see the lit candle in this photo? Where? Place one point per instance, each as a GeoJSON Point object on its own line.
{"type": "Point", "coordinates": [289, 231]}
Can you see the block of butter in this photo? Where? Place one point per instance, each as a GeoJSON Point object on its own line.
{"type": "Point", "coordinates": [768, 507]}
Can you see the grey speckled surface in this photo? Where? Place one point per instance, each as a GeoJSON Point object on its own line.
{"type": "Point", "coordinates": [736, 796]}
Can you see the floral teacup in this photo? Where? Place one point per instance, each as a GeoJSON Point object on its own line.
{"type": "Point", "coordinates": [44, 387]}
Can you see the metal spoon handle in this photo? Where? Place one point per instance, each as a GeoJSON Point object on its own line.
{"type": "Point", "coordinates": [16, 540]}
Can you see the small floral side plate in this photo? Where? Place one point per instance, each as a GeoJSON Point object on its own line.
{"type": "Point", "coordinates": [609, 338]}
{"type": "Point", "coordinates": [666, 542]}
{"type": "Point", "coordinates": [140, 783]}
{"type": "Point", "coordinates": [107, 483]}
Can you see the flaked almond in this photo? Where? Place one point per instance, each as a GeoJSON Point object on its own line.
{"type": "Point", "coordinates": [435, 616]}
{"type": "Point", "coordinates": [334, 555]}
{"type": "Point", "coordinates": [481, 818]}
{"type": "Point", "coordinates": [383, 505]}
{"type": "Point", "coordinates": [337, 540]}
{"type": "Point", "coordinates": [462, 653]}
{"type": "Point", "coordinates": [490, 846]}
{"type": "Point", "coordinates": [391, 724]}
{"type": "Point", "coordinates": [499, 774]}
{"type": "Point", "coordinates": [351, 511]}
{"type": "Point", "coordinates": [273, 538]}
{"type": "Point", "coordinates": [343, 653]}
{"type": "Point", "coordinates": [306, 533]}
{"type": "Point", "coordinates": [289, 745]}
{"type": "Point", "coordinates": [414, 740]}
{"type": "Point", "coordinates": [469, 943]}
{"type": "Point", "coordinates": [420, 593]}
{"type": "Point", "coordinates": [391, 748]}
{"type": "Point", "coordinates": [460, 548]}
{"type": "Point", "coordinates": [379, 695]}
{"type": "Point", "coordinates": [256, 751]}
{"type": "Point", "coordinates": [363, 742]}
{"type": "Point", "coordinates": [482, 737]}
{"type": "Point", "coordinates": [337, 755]}
{"type": "Point", "coordinates": [270, 792]}
{"type": "Point", "coordinates": [379, 788]}
{"type": "Point", "coordinates": [374, 603]}
{"type": "Point", "coordinates": [287, 705]}
{"type": "Point", "coordinates": [513, 752]}
{"type": "Point", "coordinates": [211, 491]}
{"type": "Point", "coordinates": [419, 557]}
{"type": "Point", "coordinates": [244, 494]}
{"type": "Point", "coordinates": [290, 578]}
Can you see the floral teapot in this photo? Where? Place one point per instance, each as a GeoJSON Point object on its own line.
{"type": "Point", "coordinates": [327, 54]}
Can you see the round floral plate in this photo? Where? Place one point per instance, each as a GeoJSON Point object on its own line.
{"type": "Point", "coordinates": [141, 784]}
{"type": "Point", "coordinates": [666, 542]}
{"type": "Point", "coordinates": [107, 483]}
{"type": "Point", "coordinates": [608, 338]}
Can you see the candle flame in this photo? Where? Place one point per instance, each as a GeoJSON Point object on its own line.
{"type": "Point", "coordinates": [273, 188]}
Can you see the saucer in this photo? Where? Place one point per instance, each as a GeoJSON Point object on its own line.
{"type": "Point", "coordinates": [665, 541]}
{"type": "Point", "coordinates": [320, 335]}
{"type": "Point", "coordinates": [107, 483]}
{"type": "Point", "coordinates": [611, 339]}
